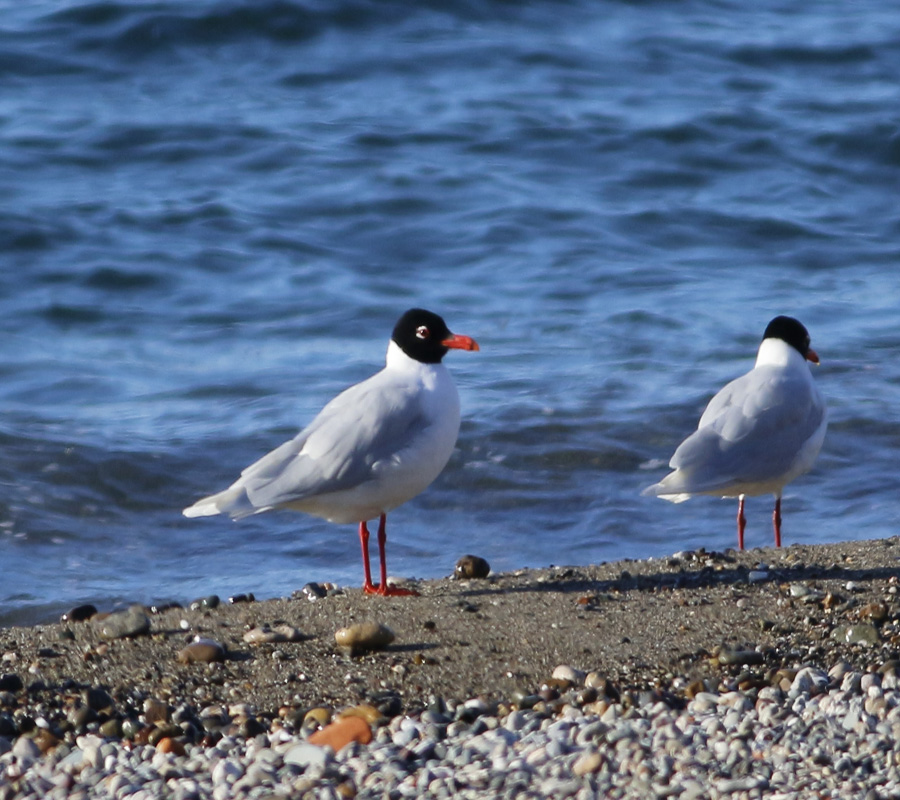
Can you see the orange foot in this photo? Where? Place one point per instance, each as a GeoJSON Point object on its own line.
{"type": "Point", "coordinates": [389, 591]}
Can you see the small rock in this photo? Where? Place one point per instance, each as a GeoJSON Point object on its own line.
{"type": "Point", "coordinates": [857, 634]}
{"type": "Point", "coordinates": [26, 750]}
{"type": "Point", "coordinates": [757, 576]}
{"type": "Point", "coordinates": [806, 594]}
{"type": "Point", "coordinates": [163, 731]}
{"type": "Point", "coordinates": [280, 633]}
{"type": "Point", "coordinates": [124, 624]}
{"type": "Point", "coordinates": [587, 763]}
{"type": "Point", "coordinates": [313, 591]}
{"type": "Point", "coordinates": [11, 683]}
{"type": "Point", "coordinates": [317, 717]}
{"type": "Point", "coordinates": [206, 603]}
{"type": "Point", "coordinates": [728, 657]}
{"type": "Point", "coordinates": [363, 637]}
{"type": "Point", "coordinates": [469, 567]}
{"type": "Point", "coordinates": [877, 612]}
{"type": "Point", "coordinates": [809, 680]}
{"type": "Point", "coordinates": [569, 674]}
{"type": "Point", "coordinates": [169, 745]}
{"type": "Point", "coordinates": [201, 651]}
{"type": "Point", "coordinates": [342, 732]}
{"type": "Point", "coordinates": [367, 712]}
{"type": "Point", "coordinates": [98, 699]}
{"type": "Point", "coordinates": [155, 711]}
{"type": "Point", "coordinates": [306, 755]}
{"type": "Point", "coordinates": [112, 728]}
{"type": "Point", "coordinates": [748, 784]}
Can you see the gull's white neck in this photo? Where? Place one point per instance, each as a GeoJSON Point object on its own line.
{"type": "Point", "coordinates": [398, 361]}
{"type": "Point", "coordinates": [778, 353]}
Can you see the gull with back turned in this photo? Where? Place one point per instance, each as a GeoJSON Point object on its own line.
{"type": "Point", "coordinates": [759, 433]}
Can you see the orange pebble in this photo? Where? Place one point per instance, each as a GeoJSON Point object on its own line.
{"type": "Point", "coordinates": [341, 732]}
{"type": "Point", "coordinates": [170, 745]}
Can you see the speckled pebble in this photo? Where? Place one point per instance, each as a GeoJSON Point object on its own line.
{"type": "Point", "coordinates": [124, 624]}
{"type": "Point", "coordinates": [864, 634]}
{"type": "Point", "coordinates": [280, 633]}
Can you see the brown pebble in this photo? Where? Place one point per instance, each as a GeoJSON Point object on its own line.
{"type": "Point", "coordinates": [364, 637]}
{"type": "Point", "coordinates": [169, 745]}
{"type": "Point", "coordinates": [471, 567]}
{"type": "Point", "coordinates": [203, 651]}
{"type": "Point", "coordinates": [367, 712]}
{"type": "Point", "coordinates": [155, 711]}
{"type": "Point", "coordinates": [164, 731]}
{"type": "Point", "coordinates": [45, 740]}
{"type": "Point", "coordinates": [590, 762]}
{"type": "Point", "coordinates": [693, 689]}
{"type": "Point", "coordinates": [877, 612]}
{"type": "Point", "coordinates": [319, 715]}
{"type": "Point", "coordinates": [341, 732]}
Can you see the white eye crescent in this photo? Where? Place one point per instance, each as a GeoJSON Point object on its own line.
{"type": "Point", "coordinates": [422, 332]}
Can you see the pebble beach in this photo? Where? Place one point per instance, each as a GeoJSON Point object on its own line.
{"type": "Point", "coordinates": [703, 674]}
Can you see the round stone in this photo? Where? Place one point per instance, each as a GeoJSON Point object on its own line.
{"type": "Point", "coordinates": [363, 637]}
{"type": "Point", "coordinates": [470, 566]}
{"type": "Point", "coordinates": [201, 651]}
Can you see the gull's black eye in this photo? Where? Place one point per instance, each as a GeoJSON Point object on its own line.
{"type": "Point", "coordinates": [422, 332]}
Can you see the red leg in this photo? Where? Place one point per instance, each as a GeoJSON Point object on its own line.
{"type": "Point", "coordinates": [364, 541]}
{"type": "Point", "coordinates": [776, 521]}
{"type": "Point", "coordinates": [383, 588]}
{"type": "Point", "coordinates": [742, 523]}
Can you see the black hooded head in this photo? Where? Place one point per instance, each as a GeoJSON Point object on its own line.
{"type": "Point", "coordinates": [420, 333]}
{"type": "Point", "coordinates": [791, 331]}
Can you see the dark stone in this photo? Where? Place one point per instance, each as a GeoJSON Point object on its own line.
{"type": "Point", "coordinates": [206, 603]}
{"type": "Point", "coordinates": [469, 567]}
{"type": "Point", "coordinates": [313, 591]}
{"type": "Point", "coordinates": [252, 727]}
{"type": "Point", "coordinates": [11, 683]}
{"type": "Point", "coordinates": [79, 613]}
{"type": "Point", "coordinates": [98, 699]}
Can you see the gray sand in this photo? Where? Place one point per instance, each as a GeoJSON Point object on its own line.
{"type": "Point", "coordinates": [641, 624]}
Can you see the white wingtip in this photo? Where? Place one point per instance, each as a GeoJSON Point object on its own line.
{"type": "Point", "coordinates": [201, 509]}
{"type": "Point", "coordinates": [675, 498]}
{"type": "Point", "coordinates": [659, 490]}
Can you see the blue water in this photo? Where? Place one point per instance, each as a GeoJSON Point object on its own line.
{"type": "Point", "coordinates": [213, 212]}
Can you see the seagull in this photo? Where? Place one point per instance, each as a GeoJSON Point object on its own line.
{"type": "Point", "coordinates": [372, 448]}
{"type": "Point", "coordinates": [759, 433]}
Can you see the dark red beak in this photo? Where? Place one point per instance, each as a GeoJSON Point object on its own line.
{"type": "Point", "coordinates": [812, 355]}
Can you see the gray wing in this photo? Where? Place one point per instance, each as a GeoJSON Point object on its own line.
{"type": "Point", "coordinates": [751, 431]}
{"type": "Point", "coordinates": [368, 423]}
